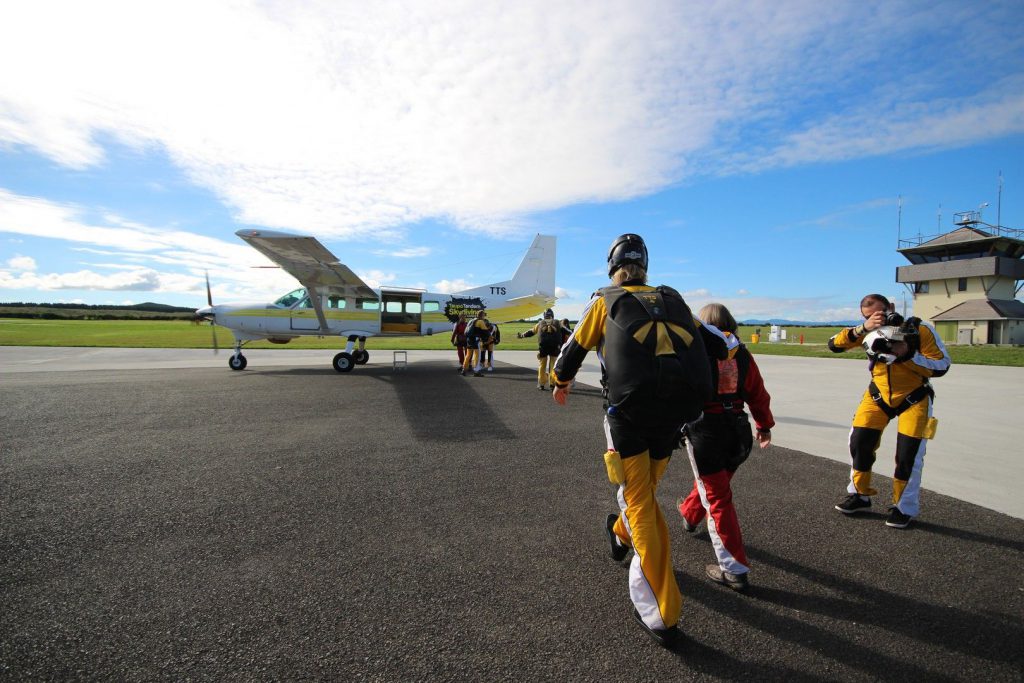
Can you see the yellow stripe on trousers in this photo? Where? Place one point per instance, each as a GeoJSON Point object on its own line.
{"type": "Point", "coordinates": [652, 583]}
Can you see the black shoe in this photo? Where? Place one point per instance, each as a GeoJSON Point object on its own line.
{"type": "Point", "coordinates": [896, 519]}
{"type": "Point", "coordinates": [687, 527]}
{"type": "Point", "coordinates": [541, 387]}
{"type": "Point", "coordinates": [478, 374]}
{"type": "Point", "coordinates": [853, 503]}
{"type": "Point", "coordinates": [666, 637]}
{"type": "Point", "coordinates": [619, 551]}
{"type": "Point", "coordinates": [737, 582]}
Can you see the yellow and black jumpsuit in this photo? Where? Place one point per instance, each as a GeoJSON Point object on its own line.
{"type": "Point", "coordinates": [547, 351]}
{"type": "Point", "coordinates": [477, 333]}
{"type": "Point", "coordinates": [892, 384]}
{"type": "Point", "coordinates": [644, 453]}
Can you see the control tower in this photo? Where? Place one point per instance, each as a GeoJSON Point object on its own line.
{"type": "Point", "coordinates": [965, 282]}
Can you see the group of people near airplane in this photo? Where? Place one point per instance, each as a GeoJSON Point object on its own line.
{"type": "Point", "coordinates": [475, 341]}
{"type": "Point", "coordinates": [672, 379]}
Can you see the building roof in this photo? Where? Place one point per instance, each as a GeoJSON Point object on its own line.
{"type": "Point", "coordinates": [984, 309]}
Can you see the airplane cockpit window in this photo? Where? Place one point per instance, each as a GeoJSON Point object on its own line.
{"type": "Point", "coordinates": [306, 303]}
{"type": "Point", "coordinates": [335, 302]}
{"type": "Point", "coordinates": [368, 304]}
{"type": "Point", "coordinates": [289, 299]}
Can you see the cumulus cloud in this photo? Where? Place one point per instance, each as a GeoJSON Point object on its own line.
{"type": "Point", "coordinates": [452, 286]}
{"type": "Point", "coordinates": [340, 117]}
{"type": "Point", "coordinates": [22, 263]}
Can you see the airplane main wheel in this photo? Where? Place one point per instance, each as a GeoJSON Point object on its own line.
{"type": "Point", "coordinates": [237, 362]}
{"type": "Point", "coordinates": [343, 362]}
{"type": "Point", "coordinates": [361, 357]}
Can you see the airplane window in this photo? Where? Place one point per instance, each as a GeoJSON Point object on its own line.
{"type": "Point", "coordinates": [306, 303]}
{"type": "Point", "coordinates": [368, 304]}
{"type": "Point", "coordinates": [393, 307]}
{"type": "Point", "coordinates": [335, 302]}
{"type": "Point", "coordinates": [413, 307]}
{"type": "Point", "coordinates": [289, 299]}
{"type": "Point", "coordinates": [429, 306]}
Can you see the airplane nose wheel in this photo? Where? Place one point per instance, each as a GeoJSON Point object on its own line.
{"type": "Point", "coordinates": [237, 362]}
{"type": "Point", "coordinates": [360, 357]}
{"type": "Point", "coordinates": [343, 362]}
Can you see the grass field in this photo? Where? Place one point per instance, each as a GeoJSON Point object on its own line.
{"type": "Point", "coordinates": [178, 334]}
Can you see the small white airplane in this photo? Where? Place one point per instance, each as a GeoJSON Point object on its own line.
{"type": "Point", "coordinates": [333, 301]}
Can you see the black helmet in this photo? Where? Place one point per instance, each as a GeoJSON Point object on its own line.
{"type": "Point", "coordinates": [628, 248]}
{"type": "Point", "coordinates": [549, 314]}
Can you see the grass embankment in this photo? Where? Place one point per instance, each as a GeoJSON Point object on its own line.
{"type": "Point", "coordinates": [179, 334]}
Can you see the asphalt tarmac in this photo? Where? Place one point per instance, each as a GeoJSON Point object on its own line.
{"type": "Point", "coordinates": [278, 523]}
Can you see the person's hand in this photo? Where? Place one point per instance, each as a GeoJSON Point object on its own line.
{"type": "Point", "coordinates": [764, 438]}
{"type": "Point", "coordinates": [874, 321]}
{"type": "Point", "coordinates": [561, 395]}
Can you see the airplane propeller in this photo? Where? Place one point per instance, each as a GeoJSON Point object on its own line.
{"type": "Point", "coordinates": [210, 316]}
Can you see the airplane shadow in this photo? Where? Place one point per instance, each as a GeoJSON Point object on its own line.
{"type": "Point", "coordinates": [440, 405]}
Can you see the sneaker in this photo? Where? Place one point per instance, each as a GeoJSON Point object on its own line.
{"type": "Point", "coordinates": [541, 387]}
{"type": "Point", "coordinates": [896, 519]}
{"type": "Point", "coordinates": [490, 369]}
{"type": "Point", "coordinates": [737, 582]}
{"type": "Point", "coordinates": [462, 371]}
{"type": "Point", "coordinates": [619, 551]}
{"type": "Point", "coordinates": [687, 527]}
{"type": "Point", "coordinates": [853, 503]}
{"type": "Point", "coordinates": [666, 637]}
{"type": "Point", "coordinates": [477, 373]}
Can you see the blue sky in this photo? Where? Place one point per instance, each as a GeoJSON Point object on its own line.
{"type": "Point", "coordinates": [759, 147]}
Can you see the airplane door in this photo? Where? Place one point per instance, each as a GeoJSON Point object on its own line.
{"type": "Point", "coordinates": [304, 316]}
{"type": "Point", "coordinates": [401, 312]}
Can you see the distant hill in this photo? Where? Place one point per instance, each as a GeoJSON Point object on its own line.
{"type": "Point", "coordinates": [148, 306]}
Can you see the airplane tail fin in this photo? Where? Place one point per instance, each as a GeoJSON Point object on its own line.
{"type": "Point", "coordinates": [536, 272]}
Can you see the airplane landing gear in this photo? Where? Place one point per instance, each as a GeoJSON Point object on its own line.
{"type": "Point", "coordinates": [343, 362]}
{"type": "Point", "coordinates": [237, 361]}
{"type": "Point", "coordinates": [361, 356]}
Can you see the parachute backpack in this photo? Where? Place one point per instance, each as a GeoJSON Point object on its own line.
{"type": "Point", "coordinates": [550, 341]}
{"type": "Point", "coordinates": [658, 373]}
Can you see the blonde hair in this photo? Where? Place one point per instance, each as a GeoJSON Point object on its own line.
{"type": "Point", "coordinates": [719, 316]}
{"type": "Point", "coordinates": [627, 272]}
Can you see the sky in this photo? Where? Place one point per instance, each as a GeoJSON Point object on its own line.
{"type": "Point", "coordinates": [770, 153]}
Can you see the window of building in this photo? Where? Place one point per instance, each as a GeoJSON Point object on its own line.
{"type": "Point", "coordinates": [962, 285]}
{"type": "Point", "coordinates": [921, 287]}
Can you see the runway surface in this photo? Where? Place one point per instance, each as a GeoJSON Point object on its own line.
{"type": "Point", "coordinates": [285, 522]}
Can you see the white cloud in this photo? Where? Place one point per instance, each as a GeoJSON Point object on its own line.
{"type": "Point", "coordinates": [451, 286]}
{"type": "Point", "coordinates": [742, 292]}
{"type": "Point", "coordinates": [408, 252]}
{"type": "Point", "coordinates": [376, 278]}
{"type": "Point", "coordinates": [331, 117]}
{"type": "Point", "coordinates": [23, 263]}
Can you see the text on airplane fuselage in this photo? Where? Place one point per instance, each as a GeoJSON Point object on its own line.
{"type": "Point", "coordinates": [498, 290]}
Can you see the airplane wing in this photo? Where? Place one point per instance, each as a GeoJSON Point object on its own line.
{"type": "Point", "coordinates": [307, 261]}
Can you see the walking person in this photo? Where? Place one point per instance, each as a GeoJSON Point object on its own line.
{"type": "Point", "coordinates": [476, 333]}
{"type": "Point", "coordinates": [718, 442]}
{"type": "Point", "coordinates": [656, 377]}
{"type": "Point", "coordinates": [459, 338]}
{"type": "Point", "coordinates": [549, 342]}
{"type": "Point", "coordinates": [904, 355]}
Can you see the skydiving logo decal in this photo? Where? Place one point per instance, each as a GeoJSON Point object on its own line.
{"type": "Point", "coordinates": [467, 306]}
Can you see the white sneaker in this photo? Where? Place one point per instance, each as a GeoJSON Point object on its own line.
{"type": "Point", "coordinates": [490, 369]}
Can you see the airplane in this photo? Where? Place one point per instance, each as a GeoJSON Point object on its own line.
{"type": "Point", "coordinates": [334, 301]}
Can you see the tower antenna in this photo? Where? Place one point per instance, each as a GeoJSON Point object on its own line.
{"type": "Point", "coordinates": [999, 202]}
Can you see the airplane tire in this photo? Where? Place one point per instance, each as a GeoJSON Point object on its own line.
{"type": "Point", "coordinates": [361, 357]}
{"type": "Point", "coordinates": [237, 362]}
{"type": "Point", "coordinates": [343, 362]}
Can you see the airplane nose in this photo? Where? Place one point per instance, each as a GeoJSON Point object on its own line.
{"type": "Point", "coordinates": [205, 313]}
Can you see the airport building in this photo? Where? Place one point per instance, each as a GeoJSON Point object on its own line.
{"type": "Point", "coordinates": [965, 282]}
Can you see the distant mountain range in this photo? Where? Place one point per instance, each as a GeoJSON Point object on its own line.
{"type": "Point", "coordinates": [799, 323]}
